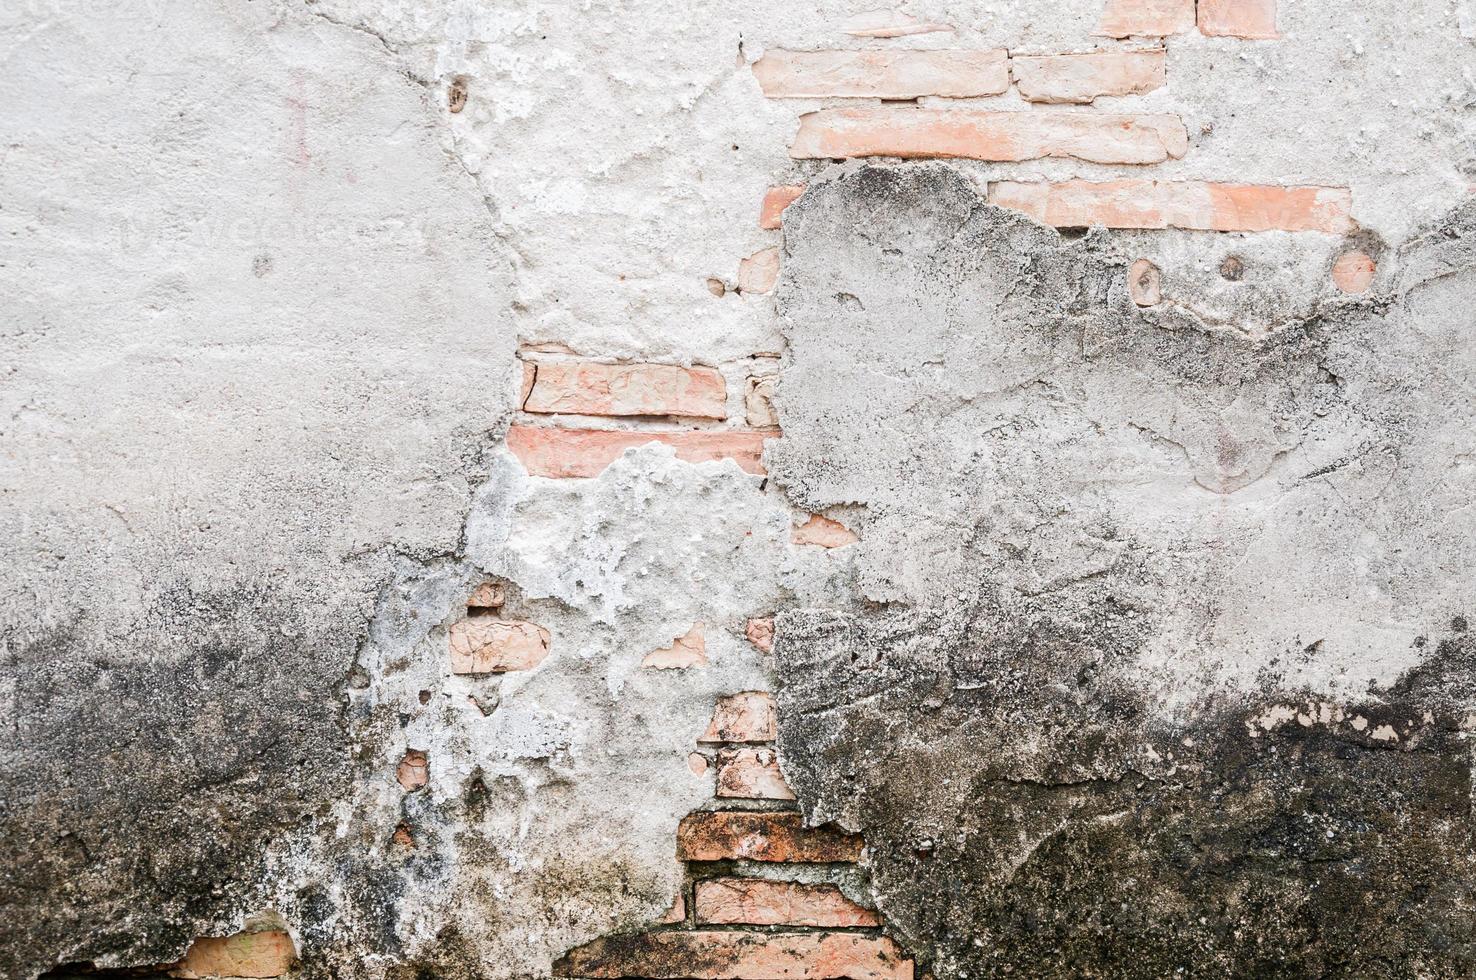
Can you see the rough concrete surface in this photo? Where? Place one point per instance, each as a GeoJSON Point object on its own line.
{"type": "Point", "coordinates": [1152, 658]}
{"type": "Point", "coordinates": [1157, 658]}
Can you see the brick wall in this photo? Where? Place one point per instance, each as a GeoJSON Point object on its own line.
{"type": "Point", "coordinates": [762, 893]}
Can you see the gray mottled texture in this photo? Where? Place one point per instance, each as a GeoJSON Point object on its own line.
{"type": "Point", "coordinates": [254, 345]}
{"type": "Point", "coordinates": [262, 293]}
{"type": "Point", "coordinates": [1156, 656]}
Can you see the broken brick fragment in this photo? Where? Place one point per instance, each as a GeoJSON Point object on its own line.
{"type": "Point", "coordinates": [733, 955]}
{"type": "Point", "coordinates": [688, 650]}
{"type": "Point", "coordinates": [760, 632]}
{"type": "Point", "coordinates": [744, 717]}
{"type": "Point", "coordinates": [758, 902]}
{"type": "Point", "coordinates": [494, 646]}
{"type": "Point", "coordinates": [413, 771]}
{"type": "Point", "coordinates": [725, 836]}
{"type": "Point", "coordinates": [264, 954]}
{"type": "Point", "coordinates": [824, 532]}
{"type": "Point", "coordinates": [751, 774]}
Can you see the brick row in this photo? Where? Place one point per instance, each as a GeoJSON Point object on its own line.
{"type": "Point", "coordinates": [1249, 19]}
{"type": "Point", "coordinates": [592, 388]}
{"type": "Point", "coordinates": [732, 955]}
{"type": "Point", "coordinates": [756, 902]}
{"type": "Point", "coordinates": [912, 132]}
{"type": "Point", "coordinates": [726, 836]}
{"type": "Point", "coordinates": [1189, 205]}
{"type": "Point", "coordinates": [956, 74]}
{"type": "Point", "coordinates": [1080, 78]}
{"type": "Point", "coordinates": [565, 453]}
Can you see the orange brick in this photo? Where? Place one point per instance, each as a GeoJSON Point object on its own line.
{"type": "Point", "coordinates": [687, 650]}
{"type": "Point", "coordinates": [487, 596]}
{"type": "Point", "coordinates": [759, 272]}
{"type": "Point", "coordinates": [732, 955]}
{"type": "Point", "coordinates": [1191, 205]}
{"type": "Point", "coordinates": [590, 388]}
{"type": "Point", "coordinates": [760, 632]}
{"type": "Point", "coordinates": [776, 199]}
{"type": "Point", "coordinates": [1251, 19]}
{"type": "Point", "coordinates": [1145, 283]}
{"type": "Point", "coordinates": [1146, 18]}
{"type": "Point", "coordinates": [1353, 271]}
{"type": "Point", "coordinates": [1060, 78]}
{"type": "Point", "coordinates": [720, 836]}
{"type": "Point", "coordinates": [413, 771]}
{"type": "Point", "coordinates": [745, 717]}
{"type": "Point", "coordinates": [897, 74]}
{"type": "Point", "coordinates": [677, 912]}
{"type": "Point", "coordinates": [755, 902]}
{"type": "Point", "coordinates": [495, 646]}
{"type": "Point", "coordinates": [562, 453]}
{"type": "Point", "coordinates": [911, 131]}
{"type": "Point", "coordinates": [751, 774]}
{"type": "Point", "coordinates": [824, 532]}
{"type": "Point", "coordinates": [246, 954]}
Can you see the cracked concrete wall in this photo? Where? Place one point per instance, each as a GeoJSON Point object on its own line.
{"type": "Point", "coordinates": [257, 343]}
{"type": "Point", "coordinates": [1154, 635]}
{"type": "Point", "coordinates": [1157, 656]}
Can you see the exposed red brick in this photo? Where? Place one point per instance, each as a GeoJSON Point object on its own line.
{"type": "Point", "coordinates": [1061, 78]}
{"type": "Point", "coordinates": [1192, 205]}
{"type": "Point", "coordinates": [824, 532]}
{"type": "Point", "coordinates": [736, 955]}
{"type": "Point", "coordinates": [889, 23]}
{"type": "Point", "coordinates": [720, 836]}
{"type": "Point", "coordinates": [246, 954]}
{"type": "Point", "coordinates": [759, 272]}
{"type": "Point", "coordinates": [892, 74]}
{"type": "Point", "coordinates": [488, 595]}
{"type": "Point", "coordinates": [413, 771]}
{"type": "Point", "coordinates": [755, 902]}
{"type": "Point", "coordinates": [1145, 18]}
{"type": "Point", "coordinates": [751, 774]}
{"type": "Point", "coordinates": [1251, 19]}
{"type": "Point", "coordinates": [776, 199]}
{"type": "Point", "coordinates": [696, 763]}
{"type": "Point", "coordinates": [494, 646]}
{"type": "Point", "coordinates": [744, 717]}
{"type": "Point", "coordinates": [1144, 283]}
{"type": "Point", "coordinates": [591, 388]}
{"type": "Point", "coordinates": [760, 633]}
{"type": "Point", "coordinates": [1353, 271]}
{"type": "Point", "coordinates": [403, 837]}
{"type": "Point", "coordinates": [563, 453]}
{"type": "Point", "coordinates": [911, 131]}
{"type": "Point", "coordinates": [677, 912]}
{"type": "Point", "coordinates": [687, 650]}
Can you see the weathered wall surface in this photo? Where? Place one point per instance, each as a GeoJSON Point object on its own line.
{"type": "Point", "coordinates": [257, 338]}
{"type": "Point", "coordinates": [427, 444]}
{"type": "Point", "coordinates": [1184, 675]}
